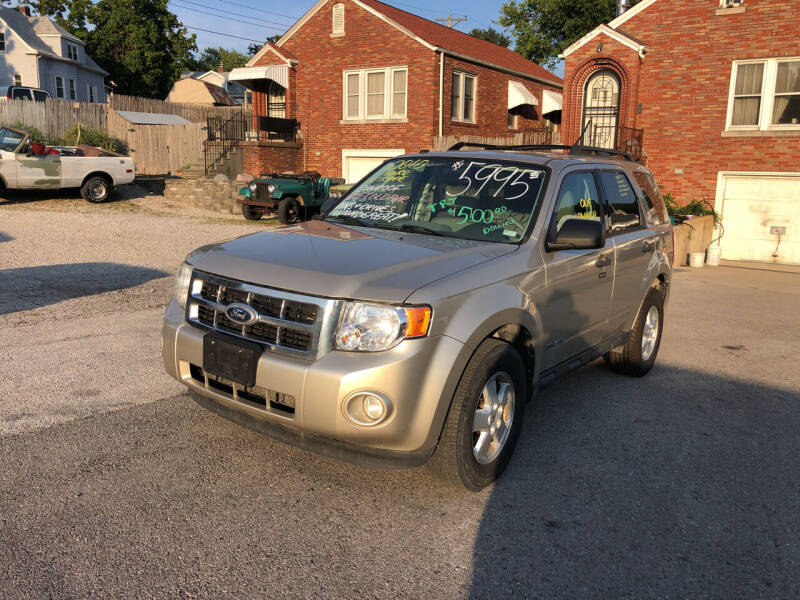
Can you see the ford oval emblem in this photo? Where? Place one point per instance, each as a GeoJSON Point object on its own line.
{"type": "Point", "coordinates": [241, 314]}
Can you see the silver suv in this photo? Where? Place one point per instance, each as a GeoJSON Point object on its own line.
{"type": "Point", "coordinates": [413, 320]}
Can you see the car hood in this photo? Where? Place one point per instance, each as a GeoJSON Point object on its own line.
{"type": "Point", "coordinates": [321, 258]}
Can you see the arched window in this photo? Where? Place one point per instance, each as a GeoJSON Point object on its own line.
{"type": "Point", "coordinates": [601, 110]}
{"type": "Point", "coordinates": [338, 19]}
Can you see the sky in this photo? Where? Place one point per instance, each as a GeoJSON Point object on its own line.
{"type": "Point", "coordinates": [255, 20]}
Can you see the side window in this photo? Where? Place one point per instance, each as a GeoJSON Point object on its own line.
{"type": "Point", "coordinates": [652, 197]}
{"type": "Point", "coordinates": [623, 207]}
{"type": "Point", "coordinates": [21, 94]}
{"type": "Point", "coordinates": [577, 199]}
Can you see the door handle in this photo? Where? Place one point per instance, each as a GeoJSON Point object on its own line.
{"type": "Point", "coordinates": [603, 261]}
{"type": "Point", "coordinates": [648, 247]}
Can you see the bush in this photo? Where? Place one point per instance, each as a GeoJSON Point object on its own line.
{"type": "Point", "coordinates": [37, 137]}
{"type": "Point", "coordinates": [695, 208]}
{"type": "Point", "coordinates": [92, 137]}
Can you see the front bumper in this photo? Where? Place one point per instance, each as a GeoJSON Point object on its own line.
{"type": "Point", "coordinates": [415, 376]}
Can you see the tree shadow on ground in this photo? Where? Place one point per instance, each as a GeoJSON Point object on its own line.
{"type": "Point", "coordinates": [680, 484]}
{"type": "Point", "coordinates": [26, 288]}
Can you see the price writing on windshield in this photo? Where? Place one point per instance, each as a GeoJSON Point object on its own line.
{"type": "Point", "coordinates": [515, 181]}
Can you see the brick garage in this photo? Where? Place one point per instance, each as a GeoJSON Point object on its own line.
{"type": "Point", "coordinates": [377, 36]}
{"type": "Point", "coordinates": [675, 60]}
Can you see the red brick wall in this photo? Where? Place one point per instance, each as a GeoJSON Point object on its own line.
{"type": "Point", "coordinates": [491, 106]}
{"type": "Point", "coordinates": [684, 84]}
{"type": "Point", "coordinates": [261, 157]}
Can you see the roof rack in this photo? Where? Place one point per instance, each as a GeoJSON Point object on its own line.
{"type": "Point", "coordinates": [576, 149]}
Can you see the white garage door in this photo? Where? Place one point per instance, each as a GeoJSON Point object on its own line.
{"type": "Point", "coordinates": [357, 163]}
{"type": "Point", "coordinates": [761, 215]}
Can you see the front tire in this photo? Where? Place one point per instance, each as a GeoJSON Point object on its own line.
{"type": "Point", "coordinates": [251, 214]}
{"type": "Point", "coordinates": [639, 353]}
{"type": "Point", "coordinates": [96, 189]}
{"type": "Point", "coordinates": [289, 211]}
{"type": "Point", "coordinates": [485, 418]}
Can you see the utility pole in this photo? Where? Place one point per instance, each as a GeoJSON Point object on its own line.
{"type": "Point", "coordinates": [451, 20]}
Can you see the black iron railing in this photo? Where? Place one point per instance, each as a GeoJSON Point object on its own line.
{"type": "Point", "coordinates": [620, 138]}
{"type": "Point", "coordinates": [223, 135]}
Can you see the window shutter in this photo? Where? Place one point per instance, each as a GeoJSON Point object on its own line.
{"type": "Point", "coordinates": [338, 18]}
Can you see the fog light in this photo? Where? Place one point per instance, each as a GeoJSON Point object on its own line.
{"type": "Point", "coordinates": [367, 408]}
{"type": "Point", "coordinates": [374, 407]}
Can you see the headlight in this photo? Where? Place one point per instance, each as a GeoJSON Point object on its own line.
{"type": "Point", "coordinates": [271, 188]}
{"type": "Point", "coordinates": [253, 187]}
{"type": "Point", "coordinates": [181, 291]}
{"type": "Point", "coordinates": [372, 327]}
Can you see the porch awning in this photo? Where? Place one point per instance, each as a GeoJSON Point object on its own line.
{"type": "Point", "coordinates": [518, 95]}
{"type": "Point", "coordinates": [551, 101]}
{"type": "Point", "coordinates": [277, 73]}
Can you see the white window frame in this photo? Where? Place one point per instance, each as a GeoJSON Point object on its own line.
{"type": "Point", "coordinates": [91, 93]}
{"type": "Point", "coordinates": [388, 94]}
{"type": "Point", "coordinates": [462, 77]}
{"type": "Point", "coordinates": [73, 90]}
{"type": "Point", "coordinates": [63, 88]}
{"type": "Point", "coordinates": [767, 96]}
{"type": "Point", "coordinates": [72, 52]}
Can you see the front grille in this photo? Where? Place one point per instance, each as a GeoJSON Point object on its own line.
{"type": "Point", "coordinates": [262, 193]}
{"type": "Point", "coordinates": [287, 322]}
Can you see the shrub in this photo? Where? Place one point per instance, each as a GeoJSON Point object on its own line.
{"type": "Point", "coordinates": [92, 137]}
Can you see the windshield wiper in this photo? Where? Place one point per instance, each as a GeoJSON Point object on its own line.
{"type": "Point", "coordinates": [347, 219]}
{"type": "Point", "coordinates": [411, 229]}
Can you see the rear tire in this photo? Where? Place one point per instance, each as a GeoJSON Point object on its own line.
{"type": "Point", "coordinates": [289, 211]}
{"type": "Point", "coordinates": [485, 418]}
{"type": "Point", "coordinates": [96, 189]}
{"type": "Point", "coordinates": [251, 214]}
{"type": "Point", "coordinates": [639, 353]}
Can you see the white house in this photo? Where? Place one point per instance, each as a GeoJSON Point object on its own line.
{"type": "Point", "coordinates": [36, 52]}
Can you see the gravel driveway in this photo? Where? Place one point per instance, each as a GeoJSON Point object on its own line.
{"type": "Point", "coordinates": [113, 483]}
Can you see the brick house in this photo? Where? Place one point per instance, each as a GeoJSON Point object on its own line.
{"type": "Point", "coordinates": [715, 87]}
{"type": "Point", "coordinates": [367, 81]}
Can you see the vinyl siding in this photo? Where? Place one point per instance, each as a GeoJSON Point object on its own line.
{"type": "Point", "coordinates": [15, 61]}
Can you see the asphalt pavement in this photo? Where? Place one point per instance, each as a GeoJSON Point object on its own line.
{"type": "Point", "coordinates": [114, 483]}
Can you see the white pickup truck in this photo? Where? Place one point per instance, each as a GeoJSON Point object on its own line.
{"type": "Point", "coordinates": [29, 166]}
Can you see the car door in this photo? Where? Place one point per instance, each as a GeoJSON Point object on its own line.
{"type": "Point", "coordinates": [634, 247]}
{"type": "Point", "coordinates": [39, 171]}
{"type": "Point", "coordinates": [579, 282]}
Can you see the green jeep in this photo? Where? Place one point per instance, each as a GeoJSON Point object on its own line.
{"type": "Point", "coordinates": [293, 197]}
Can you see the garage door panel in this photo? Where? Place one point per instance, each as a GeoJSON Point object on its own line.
{"type": "Point", "coordinates": [752, 205]}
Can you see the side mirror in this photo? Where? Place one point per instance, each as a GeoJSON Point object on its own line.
{"type": "Point", "coordinates": [578, 234]}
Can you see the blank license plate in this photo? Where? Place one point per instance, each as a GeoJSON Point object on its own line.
{"type": "Point", "coordinates": [230, 358]}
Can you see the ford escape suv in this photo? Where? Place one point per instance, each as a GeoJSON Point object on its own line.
{"type": "Point", "coordinates": [414, 318]}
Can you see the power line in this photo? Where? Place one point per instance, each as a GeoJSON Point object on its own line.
{"type": "Point", "coordinates": [451, 19]}
{"type": "Point", "coordinates": [269, 12]}
{"type": "Point", "coordinates": [225, 15]}
{"type": "Point", "coordinates": [430, 10]}
{"type": "Point", "coordinates": [238, 37]}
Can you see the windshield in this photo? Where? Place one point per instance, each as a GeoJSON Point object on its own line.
{"type": "Point", "coordinates": [485, 200]}
{"type": "Point", "coordinates": [9, 140]}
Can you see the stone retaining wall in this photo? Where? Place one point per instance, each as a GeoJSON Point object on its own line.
{"type": "Point", "coordinates": [216, 194]}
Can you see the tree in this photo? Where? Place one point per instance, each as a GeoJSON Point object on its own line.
{"type": "Point", "coordinates": [490, 34]}
{"type": "Point", "coordinates": [142, 45]}
{"type": "Point", "coordinates": [253, 49]}
{"type": "Point", "coordinates": [211, 58]}
{"type": "Point", "coordinates": [542, 29]}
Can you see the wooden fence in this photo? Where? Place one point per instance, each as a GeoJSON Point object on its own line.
{"type": "Point", "coordinates": [530, 137]}
{"type": "Point", "coordinates": [53, 118]}
{"type": "Point", "coordinates": [159, 149]}
{"type": "Point", "coordinates": [196, 113]}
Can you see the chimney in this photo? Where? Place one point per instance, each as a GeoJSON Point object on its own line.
{"type": "Point", "coordinates": [220, 68]}
{"type": "Point", "coordinates": [622, 6]}
{"type": "Point", "coordinates": [25, 10]}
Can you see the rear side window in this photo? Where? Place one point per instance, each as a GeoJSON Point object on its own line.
{"type": "Point", "coordinates": [657, 211]}
{"type": "Point", "coordinates": [40, 96]}
{"type": "Point", "coordinates": [623, 207]}
{"type": "Point", "coordinates": [21, 94]}
{"type": "Point", "coordinates": [577, 199]}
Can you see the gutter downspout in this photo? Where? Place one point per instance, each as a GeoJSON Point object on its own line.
{"type": "Point", "coordinates": [441, 91]}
